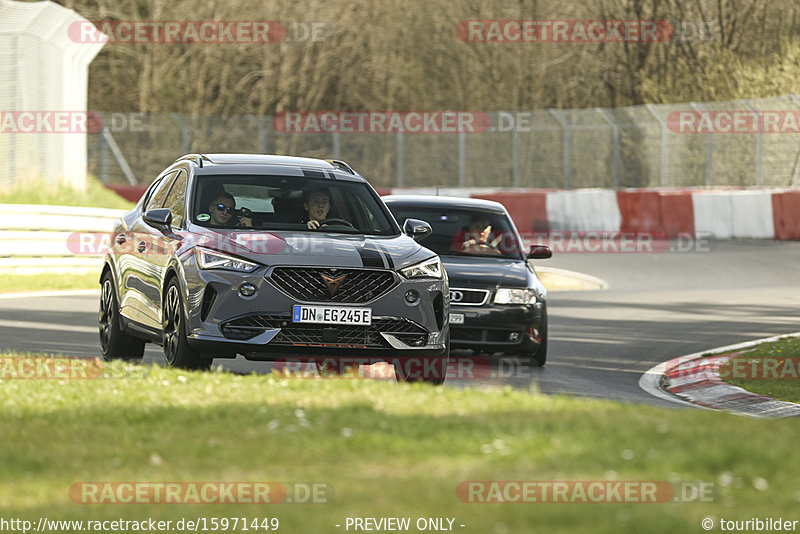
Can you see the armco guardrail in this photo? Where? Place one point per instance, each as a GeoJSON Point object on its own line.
{"type": "Point", "coordinates": [40, 238]}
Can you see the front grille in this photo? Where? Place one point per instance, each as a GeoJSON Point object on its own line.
{"type": "Point", "coordinates": [299, 333]}
{"type": "Point", "coordinates": [355, 286]}
{"type": "Point", "coordinates": [463, 297]}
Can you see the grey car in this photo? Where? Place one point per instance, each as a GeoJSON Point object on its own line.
{"type": "Point", "coordinates": [272, 257]}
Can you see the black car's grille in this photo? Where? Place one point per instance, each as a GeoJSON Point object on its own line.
{"type": "Point", "coordinates": [300, 334]}
{"type": "Point", "coordinates": [342, 285]}
{"type": "Point", "coordinates": [463, 296]}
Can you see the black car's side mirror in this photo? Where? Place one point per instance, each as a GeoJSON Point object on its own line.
{"type": "Point", "coordinates": [540, 252]}
{"type": "Point", "coordinates": [160, 218]}
{"type": "Point", "coordinates": [416, 229]}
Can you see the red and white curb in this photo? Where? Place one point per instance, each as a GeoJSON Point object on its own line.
{"type": "Point", "coordinates": [694, 380]}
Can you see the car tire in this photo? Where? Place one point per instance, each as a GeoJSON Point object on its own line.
{"type": "Point", "coordinates": [177, 351]}
{"type": "Point", "coordinates": [540, 355]}
{"type": "Point", "coordinates": [115, 344]}
{"type": "Point", "coordinates": [402, 375]}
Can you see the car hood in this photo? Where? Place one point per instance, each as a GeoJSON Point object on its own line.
{"type": "Point", "coordinates": [315, 249]}
{"type": "Point", "coordinates": [466, 271]}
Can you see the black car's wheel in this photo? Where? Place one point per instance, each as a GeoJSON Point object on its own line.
{"type": "Point", "coordinates": [114, 342]}
{"type": "Point", "coordinates": [540, 355]}
{"type": "Point", "coordinates": [177, 351]}
{"type": "Point", "coordinates": [434, 376]}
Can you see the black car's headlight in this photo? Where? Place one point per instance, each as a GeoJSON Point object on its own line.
{"type": "Point", "coordinates": [430, 268]}
{"type": "Point", "coordinates": [210, 259]}
{"type": "Point", "coordinates": [514, 296]}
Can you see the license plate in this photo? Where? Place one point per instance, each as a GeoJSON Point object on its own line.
{"type": "Point", "coordinates": [456, 318]}
{"type": "Point", "coordinates": [331, 315]}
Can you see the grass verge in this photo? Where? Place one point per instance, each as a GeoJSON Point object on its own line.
{"type": "Point", "coordinates": [384, 449]}
{"type": "Point", "coordinates": [95, 196]}
{"type": "Point", "coordinates": [771, 369]}
{"type": "Point", "coordinates": [12, 283]}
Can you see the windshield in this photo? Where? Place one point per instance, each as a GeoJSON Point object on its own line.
{"type": "Point", "coordinates": [464, 232]}
{"type": "Point", "coordinates": [288, 203]}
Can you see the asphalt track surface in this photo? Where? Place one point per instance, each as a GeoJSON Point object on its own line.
{"type": "Point", "coordinates": [658, 306]}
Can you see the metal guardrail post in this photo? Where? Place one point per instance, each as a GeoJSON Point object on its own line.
{"type": "Point", "coordinates": [567, 143]}
{"type": "Point", "coordinates": [462, 159]}
{"type": "Point", "coordinates": [184, 131]}
{"type": "Point", "coordinates": [664, 144]}
{"type": "Point", "coordinates": [262, 133]}
{"type": "Point", "coordinates": [709, 150]}
{"type": "Point", "coordinates": [615, 140]}
{"type": "Point", "coordinates": [400, 159]}
{"type": "Point", "coordinates": [758, 141]}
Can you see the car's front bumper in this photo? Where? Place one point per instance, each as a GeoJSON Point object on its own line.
{"type": "Point", "coordinates": [498, 327]}
{"type": "Point", "coordinates": [224, 322]}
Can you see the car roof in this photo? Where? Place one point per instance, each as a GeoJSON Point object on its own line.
{"type": "Point", "coordinates": [437, 202]}
{"type": "Point", "coordinates": [260, 163]}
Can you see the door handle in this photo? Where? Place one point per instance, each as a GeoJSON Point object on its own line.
{"type": "Point", "coordinates": [121, 239]}
{"type": "Point", "coordinates": [142, 246]}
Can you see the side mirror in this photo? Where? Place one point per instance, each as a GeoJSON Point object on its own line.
{"type": "Point", "coordinates": [540, 252]}
{"type": "Point", "coordinates": [160, 218]}
{"type": "Point", "coordinates": [416, 229]}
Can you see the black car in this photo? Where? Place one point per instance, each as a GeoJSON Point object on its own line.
{"type": "Point", "coordinates": [266, 256]}
{"type": "Point", "coordinates": [497, 302]}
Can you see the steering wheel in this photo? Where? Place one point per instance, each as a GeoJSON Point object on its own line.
{"type": "Point", "coordinates": [335, 221]}
{"type": "Point", "coordinates": [245, 212]}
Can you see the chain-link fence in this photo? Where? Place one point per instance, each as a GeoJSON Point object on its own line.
{"type": "Point", "coordinates": [677, 145]}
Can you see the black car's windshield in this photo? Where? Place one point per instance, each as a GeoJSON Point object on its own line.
{"type": "Point", "coordinates": [288, 203]}
{"type": "Point", "coordinates": [464, 232]}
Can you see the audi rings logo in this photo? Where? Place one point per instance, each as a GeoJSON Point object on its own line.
{"type": "Point", "coordinates": [456, 296]}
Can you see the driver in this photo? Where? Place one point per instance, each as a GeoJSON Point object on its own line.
{"type": "Point", "coordinates": [317, 204]}
{"type": "Point", "coordinates": [479, 238]}
{"type": "Point", "coordinates": [222, 209]}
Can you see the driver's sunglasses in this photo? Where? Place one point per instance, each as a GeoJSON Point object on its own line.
{"type": "Point", "coordinates": [223, 207]}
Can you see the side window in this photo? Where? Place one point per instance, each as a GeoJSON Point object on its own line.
{"type": "Point", "coordinates": [176, 200]}
{"type": "Point", "coordinates": [160, 194]}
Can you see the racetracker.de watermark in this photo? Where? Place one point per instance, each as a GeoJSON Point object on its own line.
{"type": "Point", "coordinates": [201, 492]}
{"type": "Point", "coordinates": [69, 122]}
{"type": "Point", "coordinates": [65, 368]}
{"type": "Point", "coordinates": [565, 31]}
{"type": "Point", "coordinates": [618, 242]}
{"type": "Point", "coordinates": [198, 31]}
{"type": "Point", "coordinates": [382, 122]}
{"type": "Point", "coordinates": [583, 492]}
{"type": "Point", "coordinates": [733, 122]}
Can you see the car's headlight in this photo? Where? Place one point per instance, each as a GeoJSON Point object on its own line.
{"type": "Point", "coordinates": [514, 296]}
{"type": "Point", "coordinates": [209, 259]}
{"type": "Point", "coordinates": [431, 268]}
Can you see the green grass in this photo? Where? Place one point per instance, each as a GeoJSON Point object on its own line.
{"type": "Point", "coordinates": [95, 196]}
{"type": "Point", "coordinates": [11, 283]}
{"type": "Point", "coordinates": [386, 449]}
{"type": "Point", "coordinates": [756, 369]}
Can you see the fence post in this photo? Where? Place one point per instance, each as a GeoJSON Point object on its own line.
{"type": "Point", "coordinates": [796, 173]}
{"type": "Point", "coordinates": [123, 164]}
{"type": "Point", "coordinates": [184, 131]}
{"type": "Point", "coordinates": [515, 178]}
{"type": "Point", "coordinates": [758, 141]}
{"type": "Point", "coordinates": [615, 140]}
{"type": "Point", "coordinates": [400, 158]}
{"type": "Point", "coordinates": [336, 144]}
{"type": "Point", "coordinates": [709, 150]}
{"type": "Point", "coordinates": [462, 159]}
{"type": "Point", "coordinates": [567, 143]}
{"type": "Point", "coordinates": [262, 133]}
{"type": "Point", "coordinates": [664, 144]}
